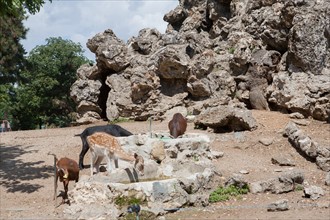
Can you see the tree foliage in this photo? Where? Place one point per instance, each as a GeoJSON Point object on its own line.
{"type": "Point", "coordinates": [13, 7]}
{"type": "Point", "coordinates": [44, 94]}
{"type": "Point", "coordinates": [12, 59]}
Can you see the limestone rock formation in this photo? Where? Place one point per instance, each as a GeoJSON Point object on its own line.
{"type": "Point", "coordinates": [172, 183]}
{"type": "Point", "coordinates": [226, 118]}
{"type": "Point", "coordinates": [310, 148]}
{"type": "Point", "coordinates": [212, 53]}
{"type": "Point", "coordinates": [281, 184]}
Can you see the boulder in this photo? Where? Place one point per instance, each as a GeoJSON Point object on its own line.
{"type": "Point", "coordinates": [301, 92]}
{"type": "Point", "coordinates": [327, 179]}
{"type": "Point", "coordinates": [282, 160]}
{"type": "Point", "coordinates": [281, 184]}
{"type": "Point", "coordinates": [157, 152]}
{"type": "Point", "coordinates": [280, 205]}
{"type": "Point", "coordinates": [313, 192]}
{"type": "Point", "coordinates": [308, 147]}
{"type": "Point", "coordinates": [224, 118]}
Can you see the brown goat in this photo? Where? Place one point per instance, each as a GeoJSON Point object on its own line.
{"type": "Point", "coordinates": [177, 125]}
{"type": "Point", "coordinates": [66, 170]}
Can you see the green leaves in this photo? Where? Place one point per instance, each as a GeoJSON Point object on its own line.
{"type": "Point", "coordinates": [13, 7]}
{"type": "Point", "coordinates": [51, 70]}
{"type": "Point", "coordinates": [225, 193]}
{"type": "Point", "coordinates": [11, 60]}
{"type": "Point", "coordinates": [35, 89]}
{"type": "Point", "coordinates": [11, 51]}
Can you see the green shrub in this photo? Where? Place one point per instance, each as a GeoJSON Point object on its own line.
{"type": "Point", "coordinates": [119, 120]}
{"type": "Point", "coordinates": [196, 157]}
{"type": "Point", "coordinates": [231, 50]}
{"type": "Point", "coordinates": [122, 201]}
{"type": "Point", "coordinates": [299, 187]}
{"type": "Point", "coordinates": [144, 214]}
{"type": "Point", "coordinates": [225, 193]}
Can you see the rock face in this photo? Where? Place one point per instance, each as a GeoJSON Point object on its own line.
{"type": "Point", "coordinates": [265, 54]}
{"type": "Point", "coordinates": [185, 175]}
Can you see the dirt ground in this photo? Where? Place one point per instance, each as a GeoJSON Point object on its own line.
{"type": "Point", "coordinates": [26, 171]}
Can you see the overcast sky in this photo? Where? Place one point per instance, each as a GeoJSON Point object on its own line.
{"type": "Point", "coordinates": [79, 20]}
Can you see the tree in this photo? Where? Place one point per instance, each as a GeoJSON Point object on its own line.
{"type": "Point", "coordinates": [44, 95]}
{"type": "Point", "coordinates": [11, 59]}
{"type": "Point", "coordinates": [13, 7]}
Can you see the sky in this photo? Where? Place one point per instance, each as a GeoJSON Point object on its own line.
{"type": "Point", "coordinates": [80, 20]}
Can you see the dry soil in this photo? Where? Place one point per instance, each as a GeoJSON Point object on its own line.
{"type": "Point", "coordinates": [26, 171]}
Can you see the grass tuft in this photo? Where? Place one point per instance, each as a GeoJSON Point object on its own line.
{"type": "Point", "coordinates": [225, 193]}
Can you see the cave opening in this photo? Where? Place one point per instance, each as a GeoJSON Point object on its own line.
{"type": "Point", "coordinates": [103, 97]}
{"type": "Point", "coordinates": [171, 87]}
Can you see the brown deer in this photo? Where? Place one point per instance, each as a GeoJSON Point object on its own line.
{"type": "Point", "coordinates": [105, 145]}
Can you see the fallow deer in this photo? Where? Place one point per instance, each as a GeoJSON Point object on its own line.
{"type": "Point", "coordinates": [105, 145]}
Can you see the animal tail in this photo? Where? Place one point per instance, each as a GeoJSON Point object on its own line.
{"type": "Point", "coordinates": [77, 135]}
{"type": "Point", "coordinates": [55, 158]}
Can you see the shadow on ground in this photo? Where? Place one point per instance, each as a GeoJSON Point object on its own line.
{"type": "Point", "coordinates": [15, 174]}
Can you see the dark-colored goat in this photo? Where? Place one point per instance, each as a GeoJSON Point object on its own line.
{"type": "Point", "coordinates": [114, 130]}
{"type": "Point", "coordinates": [177, 125]}
{"type": "Point", "coordinates": [66, 170]}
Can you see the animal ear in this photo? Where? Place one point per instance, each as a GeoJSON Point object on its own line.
{"type": "Point", "coordinates": [59, 170]}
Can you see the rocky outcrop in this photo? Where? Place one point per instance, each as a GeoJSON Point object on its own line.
{"type": "Point", "coordinates": [302, 92]}
{"type": "Point", "coordinates": [267, 54]}
{"type": "Point", "coordinates": [183, 175]}
{"type": "Point", "coordinates": [224, 118]}
{"type": "Point", "coordinates": [281, 184]}
{"type": "Point", "coordinates": [309, 148]}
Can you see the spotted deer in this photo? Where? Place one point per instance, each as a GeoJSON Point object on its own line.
{"type": "Point", "coordinates": [113, 129]}
{"type": "Point", "coordinates": [103, 145]}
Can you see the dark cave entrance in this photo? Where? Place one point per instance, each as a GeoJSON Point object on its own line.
{"type": "Point", "coordinates": [103, 97]}
{"type": "Point", "coordinates": [170, 87]}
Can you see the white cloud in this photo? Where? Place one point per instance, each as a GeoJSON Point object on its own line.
{"type": "Point", "coordinates": [81, 20]}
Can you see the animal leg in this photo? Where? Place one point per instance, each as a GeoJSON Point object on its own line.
{"type": "Point", "coordinates": [97, 163]}
{"type": "Point", "coordinates": [116, 162]}
{"type": "Point", "coordinates": [82, 155]}
{"type": "Point", "coordinates": [55, 187]}
{"type": "Point", "coordinates": [93, 157]}
{"type": "Point", "coordinates": [66, 188]}
{"type": "Point", "coordinates": [109, 166]}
